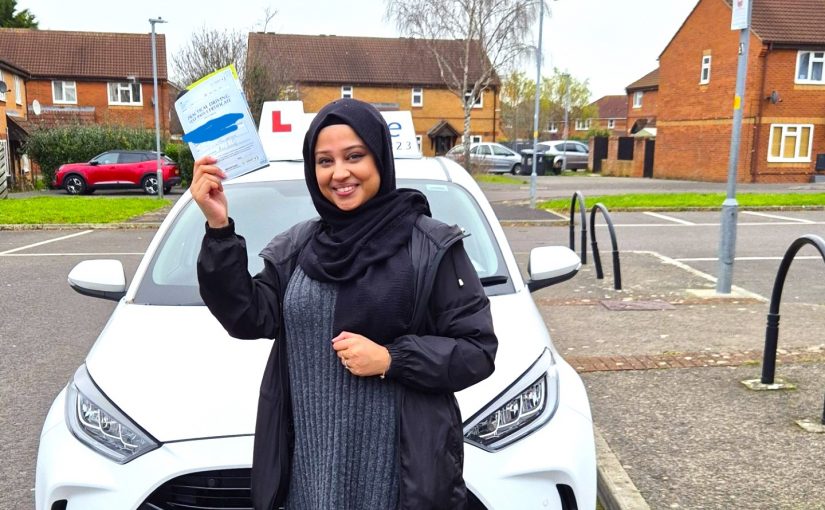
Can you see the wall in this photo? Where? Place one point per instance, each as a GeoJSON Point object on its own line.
{"type": "Point", "coordinates": [648, 110]}
{"type": "Point", "coordinates": [694, 123]}
{"type": "Point", "coordinates": [439, 104]}
{"type": "Point", "coordinates": [95, 94]}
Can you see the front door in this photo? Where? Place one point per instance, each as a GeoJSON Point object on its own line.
{"type": "Point", "coordinates": [650, 149]}
{"type": "Point", "coordinates": [443, 144]}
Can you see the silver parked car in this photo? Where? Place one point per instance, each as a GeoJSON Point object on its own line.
{"type": "Point", "coordinates": [556, 151]}
{"type": "Point", "coordinates": [490, 157]}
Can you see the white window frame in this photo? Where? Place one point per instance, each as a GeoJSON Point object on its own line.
{"type": "Point", "coordinates": [123, 85]}
{"type": "Point", "coordinates": [479, 100]}
{"type": "Point", "coordinates": [347, 91]}
{"type": "Point", "coordinates": [637, 98]}
{"type": "Point", "coordinates": [475, 139]}
{"type": "Point", "coordinates": [419, 140]}
{"type": "Point", "coordinates": [2, 94]}
{"type": "Point", "coordinates": [417, 96]}
{"type": "Point", "coordinates": [704, 75]}
{"type": "Point", "coordinates": [611, 123]}
{"type": "Point", "coordinates": [553, 127]}
{"type": "Point", "coordinates": [791, 130]}
{"type": "Point", "coordinates": [582, 125]}
{"type": "Point", "coordinates": [18, 90]}
{"type": "Point", "coordinates": [814, 57]}
{"type": "Point", "coordinates": [64, 85]}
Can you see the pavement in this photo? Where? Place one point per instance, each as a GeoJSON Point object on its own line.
{"type": "Point", "coordinates": [664, 360]}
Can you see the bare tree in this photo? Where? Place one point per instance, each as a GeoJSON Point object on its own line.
{"type": "Point", "coordinates": [493, 32]}
{"type": "Point", "coordinates": [209, 50]}
{"type": "Point", "coordinates": [269, 14]}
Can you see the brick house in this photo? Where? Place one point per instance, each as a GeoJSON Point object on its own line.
{"type": "Point", "coordinates": [392, 74]}
{"type": "Point", "coordinates": [642, 103]}
{"type": "Point", "coordinates": [87, 77]}
{"type": "Point", "coordinates": [783, 128]}
{"type": "Point", "coordinates": [12, 111]}
{"type": "Point", "coordinates": [611, 114]}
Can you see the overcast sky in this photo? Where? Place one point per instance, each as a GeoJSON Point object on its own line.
{"type": "Point", "coordinates": [610, 43]}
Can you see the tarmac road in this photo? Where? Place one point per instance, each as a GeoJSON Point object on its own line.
{"type": "Point", "coordinates": [685, 435]}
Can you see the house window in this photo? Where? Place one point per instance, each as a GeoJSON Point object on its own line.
{"type": "Point", "coordinates": [479, 100]}
{"type": "Point", "coordinates": [418, 140]}
{"type": "Point", "coordinates": [18, 90]}
{"type": "Point", "coordinates": [790, 142]}
{"type": "Point", "coordinates": [346, 91]}
{"type": "Point", "coordinates": [809, 66]}
{"type": "Point", "coordinates": [582, 125]}
{"type": "Point", "coordinates": [704, 76]}
{"type": "Point", "coordinates": [64, 92]}
{"type": "Point", "coordinates": [553, 127]}
{"type": "Point", "coordinates": [417, 96]}
{"type": "Point", "coordinates": [125, 93]}
{"type": "Point", "coordinates": [475, 138]}
{"type": "Point", "coordinates": [611, 123]}
{"type": "Point", "coordinates": [637, 99]}
{"type": "Point", "coordinates": [2, 94]}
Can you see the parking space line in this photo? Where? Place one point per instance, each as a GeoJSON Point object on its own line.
{"type": "Point", "coordinates": [777, 217]}
{"type": "Point", "coordinates": [713, 259]}
{"type": "Point", "coordinates": [701, 274]}
{"type": "Point", "coordinates": [669, 218]}
{"type": "Point", "coordinates": [45, 242]}
{"type": "Point", "coordinates": [113, 254]}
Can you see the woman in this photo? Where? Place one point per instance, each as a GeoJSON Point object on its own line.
{"type": "Point", "coordinates": [379, 317]}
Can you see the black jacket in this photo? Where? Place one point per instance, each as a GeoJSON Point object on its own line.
{"type": "Point", "coordinates": [451, 346]}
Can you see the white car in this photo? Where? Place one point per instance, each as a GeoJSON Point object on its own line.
{"type": "Point", "coordinates": [492, 157]}
{"type": "Point", "coordinates": [161, 415]}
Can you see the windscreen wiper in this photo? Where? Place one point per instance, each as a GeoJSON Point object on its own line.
{"type": "Point", "coordinates": [489, 281]}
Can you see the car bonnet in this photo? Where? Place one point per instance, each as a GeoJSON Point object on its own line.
{"type": "Point", "coordinates": [178, 375]}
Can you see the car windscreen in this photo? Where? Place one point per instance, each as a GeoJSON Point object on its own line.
{"type": "Point", "coordinates": [263, 210]}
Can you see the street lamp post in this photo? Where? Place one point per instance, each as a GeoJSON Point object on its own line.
{"type": "Point", "coordinates": [153, 21]}
{"type": "Point", "coordinates": [536, 110]}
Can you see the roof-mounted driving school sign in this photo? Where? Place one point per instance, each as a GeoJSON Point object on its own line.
{"type": "Point", "coordinates": [284, 124]}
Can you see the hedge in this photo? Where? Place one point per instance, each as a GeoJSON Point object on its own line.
{"type": "Point", "coordinates": [52, 147]}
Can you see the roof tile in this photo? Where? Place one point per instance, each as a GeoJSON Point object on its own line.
{"type": "Point", "coordinates": [352, 60]}
{"type": "Point", "coordinates": [89, 55]}
{"type": "Point", "coordinates": [648, 81]}
{"type": "Point", "coordinates": [612, 107]}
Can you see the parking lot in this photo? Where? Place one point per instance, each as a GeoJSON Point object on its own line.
{"type": "Point", "coordinates": [47, 328]}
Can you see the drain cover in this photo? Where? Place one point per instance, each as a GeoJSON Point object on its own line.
{"type": "Point", "coordinates": [621, 306]}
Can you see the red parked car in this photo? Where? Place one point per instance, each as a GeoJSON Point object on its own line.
{"type": "Point", "coordinates": [117, 169]}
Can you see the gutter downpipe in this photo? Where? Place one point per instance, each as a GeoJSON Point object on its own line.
{"type": "Point", "coordinates": [757, 121]}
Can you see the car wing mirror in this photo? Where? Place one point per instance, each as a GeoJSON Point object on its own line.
{"type": "Point", "coordinates": [94, 163]}
{"type": "Point", "coordinates": [103, 278]}
{"type": "Point", "coordinates": [549, 265]}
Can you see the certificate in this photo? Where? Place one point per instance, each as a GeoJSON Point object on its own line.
{"type": "Point", "coordinates": [216, 122]}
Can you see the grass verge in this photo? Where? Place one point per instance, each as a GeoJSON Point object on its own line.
{"type": "Point", "coordinates": [692, 200]}
{"type": "Point", "coordinates": [70, 210]}
{"type": "Point", "coordinates": [497, 179]}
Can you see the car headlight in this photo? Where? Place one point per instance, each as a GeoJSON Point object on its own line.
{"type": "Point", "coordinates": [522, 408]}
{"type": "Point", "coordinates": [100, 425]}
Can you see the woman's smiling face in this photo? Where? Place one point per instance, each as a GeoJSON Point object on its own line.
{"type": "Point", "coordinates": [345, 168]}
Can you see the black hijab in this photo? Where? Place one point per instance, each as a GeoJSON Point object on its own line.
{"type": "Point", "coordinates": [348, 242]}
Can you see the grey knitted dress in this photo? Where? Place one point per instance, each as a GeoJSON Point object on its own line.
{"type": "Point", "coordinates": [345, 426]}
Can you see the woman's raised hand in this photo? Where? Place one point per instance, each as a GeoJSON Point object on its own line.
{"type": "Point", "coordinates": [207, 191]}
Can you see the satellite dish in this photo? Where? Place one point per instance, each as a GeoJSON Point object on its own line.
{"type": "Point", "coordinates": [36, 107]}
{"type": "Point", "coordinates": [3, 87]}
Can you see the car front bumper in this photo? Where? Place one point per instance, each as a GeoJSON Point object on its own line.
{"type": "Point", "coordinates": [533, 472]}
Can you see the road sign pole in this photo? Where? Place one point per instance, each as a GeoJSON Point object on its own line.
{"type": "Point", "coordinates": [730, 207]}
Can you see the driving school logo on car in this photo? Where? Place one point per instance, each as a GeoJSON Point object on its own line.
{"type": "Point", "coordinates": [283, 124]}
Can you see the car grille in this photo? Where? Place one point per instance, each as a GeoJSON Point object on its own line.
{"type": "Point", "coordinates": [207, 490]}
{"type": "Point", "coordinates": [217, 490]}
